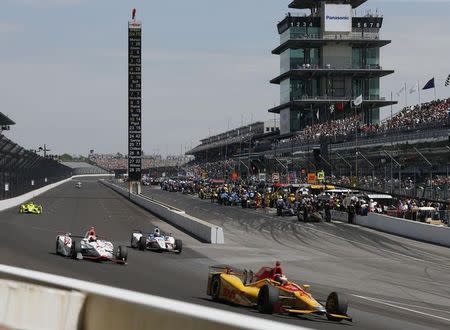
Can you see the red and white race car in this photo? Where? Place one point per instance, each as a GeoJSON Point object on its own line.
{"type": "Point", "coordinates": [90, 247]}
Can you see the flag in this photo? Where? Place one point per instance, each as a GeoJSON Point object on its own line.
{"type": "Point", "coordinates": [317, 114]}
{"type": "Point", "coordinates": [340, 106]}
{"type": "Point", "coordinates": [414, 88]}
{"type": "Point", "coordinates": [447, 82]}
{"type": "Point", "coordinates": [358, 101]}
{"type": "Point", "coordinates": [401, 91]}
{"type": "Point", "coordinates": [429, 84]}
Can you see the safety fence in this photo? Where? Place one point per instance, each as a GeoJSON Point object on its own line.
{"type": "Point", "coordinates": [22, 171]}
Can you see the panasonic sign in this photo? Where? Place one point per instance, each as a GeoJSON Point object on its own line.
{"type": "Point", "coordinates": [338, 18]}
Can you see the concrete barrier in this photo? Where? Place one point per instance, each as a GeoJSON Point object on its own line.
{"type": "Point", "coordinates": [339, 216]}
{"type": "Point", "coordinates": [30, 306]}
{"type": "Point", "coordinates": [407, 228]}
{"type": "Point", "coordinates": [201, 229]}
{"type": "Point", "coordinates": [15, 201]}
{"type": "Point", "coordinates": [98, 307]}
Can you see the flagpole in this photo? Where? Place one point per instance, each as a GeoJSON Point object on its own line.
{"type": "Point", "coordinates": [418, 89]}
{"type": "Point", "coordinates": [434, 91]}
{"type": "Point", "coordinates": [392, 98]}
{"type": "Point", "coordinates": [406, 97]}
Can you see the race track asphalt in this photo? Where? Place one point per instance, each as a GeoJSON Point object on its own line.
{"type": "Point", "coordinates": [391, 282]}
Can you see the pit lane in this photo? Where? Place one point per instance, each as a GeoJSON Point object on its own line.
{"type": "Point", "coordinates": [388, 279]}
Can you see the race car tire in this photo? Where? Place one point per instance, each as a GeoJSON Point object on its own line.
{"type": "Point", "coordinates": [215, 288]}
{"type": "Point", "coordinates": [75, 249]}
{"type": "Point", "coordinates": [178, 246]}
{"type": "Point", "coordinates": [122, 253]}
{"type": "Point", "coordinates": [142, 244]}
{"type": "Point", "coordinates": [336, 304]}
{"type": "Point", "coordinates": [268, 297]}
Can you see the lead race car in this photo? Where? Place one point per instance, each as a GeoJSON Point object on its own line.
{"type": "Point", "coordinates": [90, 247]}
{"type": "Point", "coordinates": [270, 292]}
{"type": "Point", "coordinates": [155, 241]}
{"type": "Point", "coordinates": [30, 207]}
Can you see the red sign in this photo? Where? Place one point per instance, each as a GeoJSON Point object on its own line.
{"type": "Point", "coordinates": [234, 176]}
{"type": "Point", "coordinates": [312, 178]}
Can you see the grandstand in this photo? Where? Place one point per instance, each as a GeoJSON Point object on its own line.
{"type": "Point", "coordinates": [233, 142]}
{"type": "Point", "coordinates": [79, 168]}
{"type": "Point", "coordinates": [153, 165]}
{"type": "Point", "coordinates": [22, 170]}
{"type": "Point", "coordinates": [5, 123]}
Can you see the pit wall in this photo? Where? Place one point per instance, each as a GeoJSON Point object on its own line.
{"type": "Point", "coordinates": [407, 228]}
{"type": "Point", "coordinates": [201, 229]}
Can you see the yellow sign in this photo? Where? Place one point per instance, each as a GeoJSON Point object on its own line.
{"type": "Point", "coordinates": [321, 176]}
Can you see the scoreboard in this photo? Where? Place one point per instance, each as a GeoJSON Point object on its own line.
{"type": "Point", "coordinates": [134, 100]}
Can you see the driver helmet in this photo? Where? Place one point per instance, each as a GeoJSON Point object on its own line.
{"type": "Point", "coordinates": [281, 278]}
{"type": "Point", "coordinates": [91, 235]}
{"type": "Point", "coordinates": [157, 232]}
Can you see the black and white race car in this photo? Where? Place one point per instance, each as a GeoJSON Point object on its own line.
{"type": "Point", "coordinates": [90, 247]}
{"type": "Point", "coordinates": [155, 241]}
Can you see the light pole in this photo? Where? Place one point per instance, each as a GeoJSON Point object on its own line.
{"type": "Point", "coordinates": [371, 164]}
{"type": "Point", "coordinates": [328, 163]}
{"type": "Point", "coordinates": [345, 161]}
{"type": "Point", "coordinates": [44, 149]}
{"type": "Point", "coordinates": [431, 167]}
{"type": "Point", "coordinates": [399, 170]}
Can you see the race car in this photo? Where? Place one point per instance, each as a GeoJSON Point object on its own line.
{"type": "Point", "coordinates": [270, 292]}
{"type": "Point", "coordinates": [78, 184]}
{"type": "Point", "coordinates": [155, 241]}
{"type": "Point", "coordinates": [30, 208]}
{"type": "Point", "coordinates": [90, 247]}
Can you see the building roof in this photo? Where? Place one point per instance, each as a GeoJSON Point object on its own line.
{"type": "Point", "coordinates": [306, 4]}
{"type": "Point", "coordinates": [311, 42]}
{"type": "Point", "coordinates": [4, 120]}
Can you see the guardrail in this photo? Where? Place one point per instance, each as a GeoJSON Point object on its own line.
{"type": "Point", "coordinates": [203, 230]}
{"type": "Point", "coordinates": [55, 302]}
{"type": "Point", "coordinates": [12, 202]}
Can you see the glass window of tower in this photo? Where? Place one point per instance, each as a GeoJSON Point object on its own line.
{"type": "Point", "coordinates": [297, 58]}
{"type": "Point", "coordinates": [304, 88]}
{"type": "Point", "coordinates": [285, 61]}
{"type": "Point", "coordinates": [300, 57]}
{"type": "Point", "coordinates": [285, 91]}
{"type": "Point", "coordinates": [358, 87]}
{"type": "Point", "coordinates": [374, 88]}
{"type": "Point", "coordinates": [363, 58]}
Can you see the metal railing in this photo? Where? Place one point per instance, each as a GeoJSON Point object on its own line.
{"type": "Point", "coordinates": [336, 67]}
{"type": "Point", "coordinates": [338, 98]}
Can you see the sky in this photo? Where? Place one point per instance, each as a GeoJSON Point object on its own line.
{"type": "Point", "coordinates": [206, 67]}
